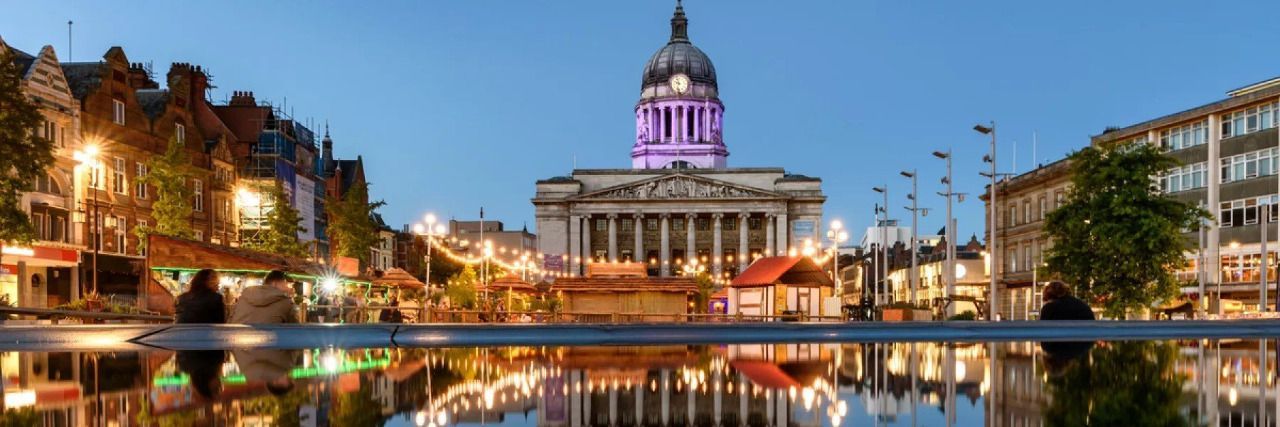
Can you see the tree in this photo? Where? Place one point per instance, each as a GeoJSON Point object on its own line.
{"type": "Point", "coordinates": [351, 226]}
{"type": "Point", "coordinates": [706, 287]}
{"type": "Point", "coordinates": [172, 209]}
{"type": "Point", "coordinates": [279, 234]}
{"type": "Point", "coordinates": [461, 288]}
{"type": "Point", "coordinates": [1117, 239]}
{"type": "Point", "coordinates": [24, 155]}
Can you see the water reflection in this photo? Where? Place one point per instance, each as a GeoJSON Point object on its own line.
{"type": "Point", "coordinates": [1225, 382]}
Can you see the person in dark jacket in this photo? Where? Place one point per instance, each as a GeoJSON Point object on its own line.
{"type": "Point", "coordinates": [201, 303]}
{"type": "Point", "coordinates": [1060, 305]}
{"type": "Point", "coordinates": [269, 303]}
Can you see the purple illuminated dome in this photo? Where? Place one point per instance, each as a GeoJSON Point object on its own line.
{"type": "Point", "coordinates": [679, 115]}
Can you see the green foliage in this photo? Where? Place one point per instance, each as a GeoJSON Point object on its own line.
{"type": "Point", "coordinates": [1139, 383]}
{"type": "Point", "coordinates": [172, 209]}
{"type": "Point", "coordinates": [351, 226]}
{"type": "Point", "coordinates": [20, 417]}
{"type": "Point", "coordinates": [1117, 239]}
{"type": "Point", "coordinates": [24, 155]}
{"type": "Point", "coordinates": [967, 315]}
{"type": "Point", "coordinates": [706, 287]}
{"type": "Point", "coordinates": [280, 234]}
{"type": "Point", "coordinates": [358, 408]}
{"type": "Point", "coordinates": [461, 288]}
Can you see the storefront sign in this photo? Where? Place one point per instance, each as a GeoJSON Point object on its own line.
{"type": "Point", "coordinates": [8, 269]}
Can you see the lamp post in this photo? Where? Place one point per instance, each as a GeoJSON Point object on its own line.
{"type": "Point", "coordinates": [949, 275]}
{"type": "Point", "coordinates": [991, 238]}
{"type": "Point", "coordinates": [837, 235]}
{"type": "Point", "coordinates": [89, 159]}
{"type": "Point", "coordinates": [884, 244]}
{"type": "Point", "coordinates": [915, 240]}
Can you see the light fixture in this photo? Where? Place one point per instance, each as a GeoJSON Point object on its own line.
{"type": "Point", "coordinates": [941, 155]}
{"type": "Point", "coordinates": [983, 129]}
{"type": "Point", "coordinates": [907, 174]}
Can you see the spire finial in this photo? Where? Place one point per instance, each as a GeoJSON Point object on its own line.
{"type": "Point", "coordinates": [679, 24]}
{"type": "Point", "coordinates": [326, 128]}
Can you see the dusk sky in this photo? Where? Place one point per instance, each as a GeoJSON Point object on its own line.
{"type": "Point", "coordinates": [462, 104]}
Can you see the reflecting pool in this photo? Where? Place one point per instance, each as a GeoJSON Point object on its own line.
{"type": "Point", "coordinates": [1157, 383]}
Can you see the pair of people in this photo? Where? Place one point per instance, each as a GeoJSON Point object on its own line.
{"type": "Point", "coordinates": [269, 303]}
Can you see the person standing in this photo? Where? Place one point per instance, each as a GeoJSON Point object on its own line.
{"type": "Point", "coordinates": [268, 303]}
{"type": "Point", "coordinates": [201, 303]}
{"type": "Point", "coordinates": [1060, 305]}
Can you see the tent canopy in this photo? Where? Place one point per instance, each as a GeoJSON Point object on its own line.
{"type": "Point", "coordinates": [791, 270]}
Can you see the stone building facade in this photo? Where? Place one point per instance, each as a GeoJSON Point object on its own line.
{"type": "Point", "coordinates": [680, 204]}
{"type": "Point", "coordinates": [1023, 201]}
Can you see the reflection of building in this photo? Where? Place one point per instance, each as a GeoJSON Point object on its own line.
{"type": "Point", "coordinates": [680, 200]}
{"type": "Point", "coordinates": [1228, 162]}
{"type": "Point", "coordinates": [1024, 201]}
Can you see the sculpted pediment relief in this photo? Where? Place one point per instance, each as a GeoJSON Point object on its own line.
{"type": "Point", "coordinates": [679, 186]}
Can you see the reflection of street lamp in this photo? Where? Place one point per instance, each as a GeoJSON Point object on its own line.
{"type": "Point", "coordinates": [88, 158]}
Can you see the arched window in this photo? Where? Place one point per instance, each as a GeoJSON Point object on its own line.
{"type": "Point", "coordinates": [681, 164]}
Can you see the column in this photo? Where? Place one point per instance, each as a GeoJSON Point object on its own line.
{"type": "Point", "coordinates": [613, 237]}
{"type": "Point", "coordinates": [665, 249]}
{"type": "Point", "coordinates": [1213, 246]}
{"type": "Point", "coordinates": [717, 246]}
{"type": "Point", "coordinates": [697, 125]}
{"type": "Point", "coordinates": [744, 255]}
{"type": "Point", "coordinates": [575, 244]}
{"type": "Point", "coordinates": [768, 236]}
{"type": "Point", "coordinates": [661, 122]}
{"type": "Point", "coordinates": [781, 241]}
{"type": "Point", "coordinates": [76, 292]}
{"type": "Point", "coordinates": [587, 255]}
{"type": "Point", "coordinates": [637, 254]}
{"type": "Point", "coordinates": [690, 247]}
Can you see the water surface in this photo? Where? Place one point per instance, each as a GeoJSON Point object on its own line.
{"type": "Point", "coordinates": [1159, 383]}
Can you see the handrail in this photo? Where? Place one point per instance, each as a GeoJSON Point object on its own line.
{"type": "Point", "coordinates": [84, 314]}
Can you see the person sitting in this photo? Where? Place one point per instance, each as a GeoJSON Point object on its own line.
{"type": "Point", "coordinates": [201, 303]}
{"type": "Point", "coordinates": [391, 313]}
{"type": "Point", "coordinates": [268, 303]}
{"type": "Point", "coordinates": [1060, 305]}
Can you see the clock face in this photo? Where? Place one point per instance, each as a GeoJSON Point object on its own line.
{"type": "Point", "coordinates": [680, 83]}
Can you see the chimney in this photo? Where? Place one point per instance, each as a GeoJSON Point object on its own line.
{"type": "Point", "coordinates": [139, 78]}
{"type": "Point", "coordinates": [242, 99]}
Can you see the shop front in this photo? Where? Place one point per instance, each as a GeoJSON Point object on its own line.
{"type": "Point", "coordinates": [39, 276]}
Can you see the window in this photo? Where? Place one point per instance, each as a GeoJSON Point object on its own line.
{"type": "Point", "coordinates": [1185, 178]}
{"type": "Point", "coordinates": [1248, 165]}
{"type": "Point", "coordinates": [95, 177]}
{"type": "Point", "coordinates": [601, 255]}
{"type": "Point", "coordinates": [730, 224]}
{"type": "Point", "coordinates": [1011, 261]}
{"type": "Point", "coordinates": [51, 133]}
{"type": "Point", "coordinates": [139, 187]}
{"type": "Point", "coordinates": [117, 176]}
{"type": "Point", "coordinates": [677, 223]}
{"type": "Point", "coordinates": [1250, 120]}
{"type": "Point", "coordinates": [1026, 211]}
{"type": "Point", "coordinates": [1043, 207]}
{"type": "Point", "coordinates": [1237, 213]}
{"type": "Point", "coordinates": [753, 223]}
{"type": "Point", "coordinates": [199, 203]}
{"type": "Point", "coordinates": [626, 224]}
{"type": "Point", "coordinates": [651, 223]}
{"type": "Point", "coordinates": [626, 256]}
{"type": "Point", "coordinates": [1186, 136]}
{"type": "Point", "coordinates": [200, 235]}
{"type": "Point", "coordinates": [1012, 219]}
{"type": "Point", "coordinates": [1059, 198]}
{"type": "Point", "coordinates": [117, 111]}
{"type": "Point", "coordinates": [1026, 257]}
{"type": "Point", "coordinates": [122, 241]}
{"type": "Point", "coordinates": [180, 133]}
{"type": "Point", "coordinates": [142, 250]}
{"type": "Point", "coordinates": [41, 229]}
{"type": "Point", "coordinates": [703, 224]}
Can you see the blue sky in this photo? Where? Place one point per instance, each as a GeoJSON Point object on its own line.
{"type": "Point", "coordinates": [461, 104]}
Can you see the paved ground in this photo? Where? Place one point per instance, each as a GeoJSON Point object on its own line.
{"type": "Point", "coordinates": [195, 337]}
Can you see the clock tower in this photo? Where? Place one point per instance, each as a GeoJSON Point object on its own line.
{"type": "Point", "coordinates": [679, 116]}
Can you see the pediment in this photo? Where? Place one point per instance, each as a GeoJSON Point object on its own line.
{"type": "Point", "coordinates": [679, 187]}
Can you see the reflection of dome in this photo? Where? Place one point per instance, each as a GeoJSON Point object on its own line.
{"type": "Point", "coordinates": [679, 56]}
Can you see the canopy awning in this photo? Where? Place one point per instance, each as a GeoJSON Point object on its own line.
{"type": "Point", "coordinates": [790, 270]}
{"type": "Point", "coordinates": [396, 277]}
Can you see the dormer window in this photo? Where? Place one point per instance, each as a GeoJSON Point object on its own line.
{"type": "Point", "coordinates": [117, 111]}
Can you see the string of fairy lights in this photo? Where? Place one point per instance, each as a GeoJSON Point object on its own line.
{"type": "Point", "coordinates": [531, 262]}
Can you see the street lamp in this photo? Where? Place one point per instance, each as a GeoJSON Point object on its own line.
{"type": "Point", "coordinates": [991, 239]}
{"type": "Point", "coordinates": [884, 244]}
{"type": "Point", "coordinates": [950, 265]}
{"type": "Point", "coordinates": [429, 232]}
{"type": "Point", "coordinates": [88, 158]}
{"type": "Point", "coordinates": [915, 245]}
{"type": "Point", "coordinates": [837, 235]}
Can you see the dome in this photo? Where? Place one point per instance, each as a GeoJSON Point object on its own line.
{"type": "Point", "coordinates": [679, 56]}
